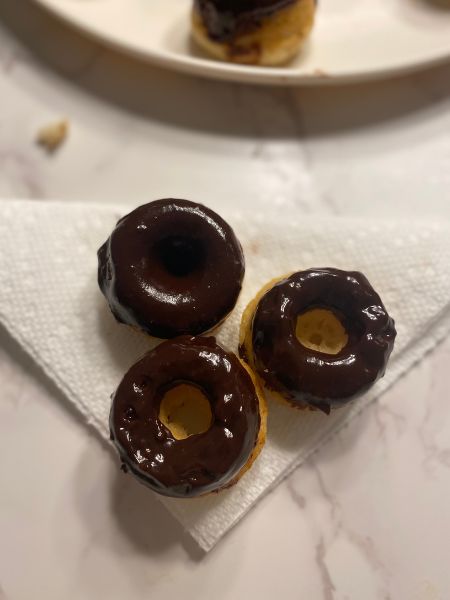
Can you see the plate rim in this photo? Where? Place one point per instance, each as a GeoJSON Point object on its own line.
{"type": "Point", "coordinates": [212, 69]}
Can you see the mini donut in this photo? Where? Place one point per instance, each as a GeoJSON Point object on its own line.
{"type": "Point", "coordinates": [171, 267]}
{"type": "Point", "coordinates": [317, 339]}
{"type": "Point", "coordinates": [257, 32]}
{"type": "Point", "coordinates": [189, 418]}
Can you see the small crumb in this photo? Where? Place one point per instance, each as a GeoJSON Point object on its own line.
{"type": "Point", "coordinates": [52, 136]}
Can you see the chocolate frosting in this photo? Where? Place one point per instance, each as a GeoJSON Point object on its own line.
{"type": "Point", "coordinates": [307, 377]}
{"type": "Point", "coordinates": [203, 462]}
{"type": "Point", "coordinates": [224, 19]}
{"type": "Point", "coordinates": [171, 267]}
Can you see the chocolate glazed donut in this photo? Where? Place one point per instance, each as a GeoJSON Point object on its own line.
{"type": "Point", "coordinates": [308, 378]}
{"type": "Point", "coordinates": [171, 267]}
{"type": "Point", "coordinates": [203, 462]}
{"type": "Point", "coordinates": [226, 18]}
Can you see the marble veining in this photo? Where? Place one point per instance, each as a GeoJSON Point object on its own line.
{"type": "Point", "coordinates": [328, 587]}
{"type": "Point", "coordinates": [327, 495]}
{"type": "Point", "coordinates": [297, 498]}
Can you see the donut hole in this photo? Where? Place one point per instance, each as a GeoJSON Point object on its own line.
{"type": "Point", "coordinates": [185, 410]}
{"type": "Point", "coordinates": [180, 255]}
{"type": "Point", "coordinates": [321, 330]}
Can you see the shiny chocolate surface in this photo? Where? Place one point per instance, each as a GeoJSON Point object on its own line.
{"type": "Point", "coordinates": [225, 19]}
{"type": "Point", "coordinates": [311, 378]}
{"type": "Point", "coordinates": [171, 267]}
{"type": "Point", "coordinates": [203, 462]}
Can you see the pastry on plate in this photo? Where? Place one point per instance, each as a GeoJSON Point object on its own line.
{"type": "Point", "coordinates": [255, 32]}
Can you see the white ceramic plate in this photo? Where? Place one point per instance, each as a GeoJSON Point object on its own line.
{"type": "Point", "coordinates": [352, 40]}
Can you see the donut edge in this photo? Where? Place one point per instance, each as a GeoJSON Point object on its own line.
{"type": "Point", "coordinates": [262, 433]}
{"type": "Point", "coordinates": [246, 346]}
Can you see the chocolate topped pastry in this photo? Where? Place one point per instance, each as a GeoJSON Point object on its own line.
{"type": "Point", "coordinates": [187, 419]}
{"type": "Point", "coordinates": [225, 18]}
{"type": "Point", "coordinates": [171, 267]}
{"type": "Point", "coordinates": [265, 32]}
{"type": "Point", "coordinates": [318, 338]}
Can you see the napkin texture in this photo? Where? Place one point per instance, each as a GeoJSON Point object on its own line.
{"type": "Point", "coordinates": [50, 302]}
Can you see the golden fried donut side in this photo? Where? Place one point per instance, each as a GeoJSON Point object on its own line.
{"type": "Point", "coordinates": [261, 439]}
{"type": "Point", "coordinates": [246, 346]}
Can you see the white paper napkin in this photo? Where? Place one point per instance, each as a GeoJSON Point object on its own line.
{"type": "Point", "coordinates": [50, 303]}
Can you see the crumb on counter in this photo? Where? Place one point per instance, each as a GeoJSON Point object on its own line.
{"type": "Point", "coordinates": [53, 135]}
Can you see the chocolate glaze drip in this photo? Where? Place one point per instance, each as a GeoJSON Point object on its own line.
{"type": "Point", "coordinates": [201, 463]}
{"type": "Point", "coordinates": [225, 19]}
{"type": "Point", "coordinates": [307, 377]}
{"type": "Point", "coordinates": [171, 267]}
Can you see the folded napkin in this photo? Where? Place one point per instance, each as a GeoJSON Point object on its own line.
{"type": "Point", "coordinates": [50, 302]}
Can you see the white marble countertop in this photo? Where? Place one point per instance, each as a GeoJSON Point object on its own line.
{"type": "Point", "coordinates": [367, 517]}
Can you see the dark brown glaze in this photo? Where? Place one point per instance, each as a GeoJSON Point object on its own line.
{"type": "Point", "coordinates": [201, 463]}
{"type": "Point", "coordinates": [224, 19]}
{"type": "Point", "coordinates": [307, 377]}
{"type": "Point", "coordinates": [171, 267]}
